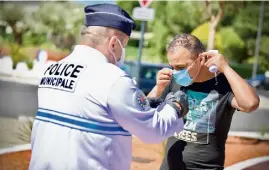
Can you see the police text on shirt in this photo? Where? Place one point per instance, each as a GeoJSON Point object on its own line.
{"type": "Point", "coordinates": [62, 76]}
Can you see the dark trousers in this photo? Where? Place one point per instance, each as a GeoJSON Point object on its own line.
{"type": "Point", "coordinates": [173, 159]}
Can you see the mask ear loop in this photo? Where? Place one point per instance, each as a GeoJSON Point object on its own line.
{"type": "Point", "coordinates": [120, 43]}
{"type": "Point", "coordinates": [114, 56]}
{"type": "Point", "coordinates": [197, 71]}
{"type": "Point", "coordinates": [215, 73]}
{"type": "Point", "coordinates": [121, 61]}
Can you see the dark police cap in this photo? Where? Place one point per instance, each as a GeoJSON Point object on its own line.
{"type": "Point", "coordinates": [109, 15]}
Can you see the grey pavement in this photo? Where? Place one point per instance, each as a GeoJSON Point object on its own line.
{"type": "Point", "coordinates": [17, 99]}
{"type": "Point", "coordinates": [257, 121]}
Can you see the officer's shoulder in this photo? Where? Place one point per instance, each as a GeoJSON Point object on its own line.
{"type": "Point", "coordinates": [113, 69]}
{"type": "Point", "coordinates": [117, 74]}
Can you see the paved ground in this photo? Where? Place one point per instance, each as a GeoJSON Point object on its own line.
{"type": "Point", "coordinates": [149, 157]}
{"type": "Point", "coordinates": [255, 121]}
{"type": "Point", "coordinates": [17, 99]}
{"type": "Point", "coordinates": [15, 161]}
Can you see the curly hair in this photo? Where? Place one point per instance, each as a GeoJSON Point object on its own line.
{"type": "Point", "coordinates": [188, 41]}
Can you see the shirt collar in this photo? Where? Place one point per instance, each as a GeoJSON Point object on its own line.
{"type": "Point", "coordinates": [88, 53]}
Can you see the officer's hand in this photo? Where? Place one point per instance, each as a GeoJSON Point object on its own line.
{"type": "Point", "coordinates": [180, 100]}
{"type": "Point", "coordinates": [163, 77]}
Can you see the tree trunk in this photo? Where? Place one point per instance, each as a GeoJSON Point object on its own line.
{"type": "Point", "coordinates": [214, 21]}
{"type": "Point", "coordinates": [17, 35]}
{"type": "Point", "coordinates": [211, 37]}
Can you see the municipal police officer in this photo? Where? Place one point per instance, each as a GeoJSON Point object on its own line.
{"type": "Point", "coordinates": [89, 107]}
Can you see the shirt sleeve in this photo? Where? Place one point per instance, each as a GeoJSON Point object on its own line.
{"type": "Point", "coordinates": [130, 108]}
{"type": "Point", "coordinates": [230, 98]}
{"type": "Point", "coordinates": [166, 90]}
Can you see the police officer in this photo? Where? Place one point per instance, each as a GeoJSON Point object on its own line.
{"type": "Point", "coordinates": [89, 108]}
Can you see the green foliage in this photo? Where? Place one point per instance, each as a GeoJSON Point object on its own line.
{"type": "Point", "coordinates": [14, 17]}
{"type": "Point", "coordinates": [56, 25]}
{"type": "Point", "coordinates": [185, 16]}
{"type": "Point", "coordinates": [233, 46]}
{"type": "Point", "coordinates": [202, 32]}
{"type": "Point", "coordinates": [263, 63]}
{"type": "Point", "coordinates": [172, 18]}
{"type": "Point", "coordinates": [246, 22]}
{"type": "Point", "coordinates": [231, 9]}
{"type": "Point", "coordinates": [132, 53]}
{"type": "Point", "coordinates": [158, 43]}
{"type": "Point", "coordinates": [247, 19]}
{"type": "Point", "coordinates": [11, 13]}
{"type": "Point", "coordinates": [128, 6]}
{"type": "Point", "coordinates": [66, 22]}
{"type": "Point", "coordinates": [59, 26]}
{"type": "Point", "coordinates": [31, 39]}
{"type": "Point", "coordinates": [58, 22]}
{"type": "Point", "coordinates": [246, 25]}
{"type": "Point", "coordinates": [264, 53]}
{"type": "Point", "coordinates": [245, 70]}
{"type": "Point", "coordinates": [265, 45]}
{"type": "Point", "coordinates": [17, 55]}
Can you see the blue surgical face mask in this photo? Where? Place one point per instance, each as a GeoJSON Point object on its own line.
{"type": "Point", "coordinates": [182, 77]}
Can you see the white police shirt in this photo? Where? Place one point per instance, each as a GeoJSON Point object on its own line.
{"type": "Point", "coordinates": [88, 111]}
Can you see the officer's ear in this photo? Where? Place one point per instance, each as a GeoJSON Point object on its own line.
{"type": "Point", "coordinates": [112, 42]}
